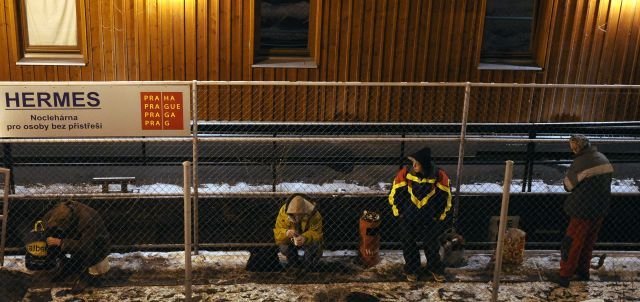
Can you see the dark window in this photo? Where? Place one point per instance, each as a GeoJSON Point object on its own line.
{"type": "Point", "coordinates": [284, 26]}
{"type": "Point", "coordinates": [286, 33]}
{"type": "Point", "coordinates": [509, 31]}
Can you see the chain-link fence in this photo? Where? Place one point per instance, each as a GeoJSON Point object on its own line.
{"type": "Point", "coordinates": [257, 144]}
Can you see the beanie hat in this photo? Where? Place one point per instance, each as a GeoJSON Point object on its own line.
{"type": "Point", "coordinates": [423, 156]}
{"type": "Point", "coordinates": [581, 141]}
{"type": "Point", "coordinates": [300, 205]}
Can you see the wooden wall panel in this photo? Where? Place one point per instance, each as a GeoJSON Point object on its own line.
{"type": "Point", "coordinates": [5, 71]}
{"type": "Point", "coordinates": [592, 42]}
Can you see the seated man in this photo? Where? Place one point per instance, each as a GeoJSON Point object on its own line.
{"type": "Point", "coordinates": [299, 227]}
{"type": "Point", "coordinates": [77, 229]}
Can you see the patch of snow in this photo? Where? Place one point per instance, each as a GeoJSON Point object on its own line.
{"type": "Point", "coordinates": [628, 185]}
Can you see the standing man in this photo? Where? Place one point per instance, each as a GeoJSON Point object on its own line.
{"type": "Point", "coordinates": [420, 199]}
{"type": "Point", "coordinates": [589, 181]}
{"type": "Point", "coordinates": [299, 227]}
{"type": "Point", "coordinates": [78, 230]}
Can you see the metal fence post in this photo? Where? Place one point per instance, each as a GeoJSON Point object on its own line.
{"type": "Point", "coordinates": [7, 161]}
{"type": "Point", "coordinates": [504, 209]}
{"type": "Point", "coordinates": [528, 167]}
{"type": "Point", "coordinates": [5, 211]}
{"type": "Point", "coordinates": [195, 155]}
{"type": "Point", "coordinates": [463, 133]}
{"type": "Point", "coordinates": [187, 229]}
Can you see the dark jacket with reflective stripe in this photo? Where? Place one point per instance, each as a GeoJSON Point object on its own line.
{"type": "Point", "coordinates": [589, 181]}
{"type": "Point", "coordinates": [411, 191]}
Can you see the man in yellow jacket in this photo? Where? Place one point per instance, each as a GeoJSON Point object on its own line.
{"type": "Point", "coordinates": [299, 227]}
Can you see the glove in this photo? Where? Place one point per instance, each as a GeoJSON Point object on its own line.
{"type": "Point", "coordinates": [298, 240]}
{"type": "Point", "coordinates": [290, 233]}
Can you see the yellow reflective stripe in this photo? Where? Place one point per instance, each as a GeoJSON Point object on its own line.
{"type": "Point", "coordinates": [448, 207]}
{"type": "Point", "coordinates": [392, 195]}
{"type": "Point", "coordinates": [420, 180]}
{"type": "Point", "coordinates": [420, 203]}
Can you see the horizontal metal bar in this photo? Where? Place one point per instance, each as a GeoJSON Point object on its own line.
{"type": "Point", "coordinates": [331, 84]}
{"type": "Point", "coordinates": [326, 139]}
{"type": "Point", "coordinates": [266, 128]}
{"type": "Point", "coordinates": [98, 83]}
{"type": "Point", "coordinates": [104, 140]}
{"type": "Point", "coordinates": [173, 196]}
{"type": "Point", "coordinates": [96, 196]}
{"type": "Point", "coordinates": [322, 84]}
{"type": "Point", "coordinates": [479, 247]}
{"type": "Point", "coordinates": [409, 84]}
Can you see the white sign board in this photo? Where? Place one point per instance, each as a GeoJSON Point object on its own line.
{"type": "Point", "coordinates": [101, 110]}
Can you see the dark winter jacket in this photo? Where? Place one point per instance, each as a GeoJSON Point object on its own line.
{"type": "Point", "coordinates": [83, 231]}
{"type": "Point", "coordinates": [589, 181]}
{"type": "Point", "coordinates": [414, 191]}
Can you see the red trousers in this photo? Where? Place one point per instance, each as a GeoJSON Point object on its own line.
{"type": "Point", "coordinates": [577, 246]}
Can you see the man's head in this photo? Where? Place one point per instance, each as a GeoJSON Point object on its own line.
{"type": "Point", "coordinates": [578, 142]}
{"type": "Point", "coordinates": [421, 160]}
{"type": "Point", "coordinates": [299, 206]}
{"type": "Point", "coordinates": [61, 217]}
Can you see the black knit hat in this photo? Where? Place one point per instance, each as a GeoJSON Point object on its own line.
{"type": "Point", "coordinates": [423, 156]}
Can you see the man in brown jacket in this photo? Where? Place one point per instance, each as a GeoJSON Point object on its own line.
{"type": "Point", "coordinates": [78, 230]}
{"type": "Point", "coordinates": [588, 179]}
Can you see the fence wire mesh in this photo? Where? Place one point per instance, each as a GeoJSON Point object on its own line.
{"type": "Point", "coordinates": [251, 157]}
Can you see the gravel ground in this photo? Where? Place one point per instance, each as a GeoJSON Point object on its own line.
{"type": "Point", "coordinates": [220, 276]}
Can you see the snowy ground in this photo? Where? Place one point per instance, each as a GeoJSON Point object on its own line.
{"type": "Point", "coordinates": [220, 276]}
{"type": "Point", "coordinates": [628, 185]}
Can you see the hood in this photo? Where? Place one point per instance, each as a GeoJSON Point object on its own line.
{"type": "Point", "coordinates": [423, 156]}
{"type": "Point", "coordinates": [300, 204]}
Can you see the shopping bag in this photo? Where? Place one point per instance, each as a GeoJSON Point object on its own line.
{"type": "Point", "coordinates": [37, 256]}
{"type": "Point", "coordinates": [513, 251]}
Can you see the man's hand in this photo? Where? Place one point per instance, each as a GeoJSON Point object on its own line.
{"type": "Point", "coordinates": [52, 241]}
{"type": "Point", "coordinates": [298, 240]}
{"type": "Point", "coordinates": [290, 233]}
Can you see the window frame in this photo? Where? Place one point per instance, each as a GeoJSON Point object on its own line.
{"type": "Point", "coordinates": [50, 54]}
{"type": "Point", "coordinates": [286, 58]}
{"type": "Point", "coordinates": [533, 59]}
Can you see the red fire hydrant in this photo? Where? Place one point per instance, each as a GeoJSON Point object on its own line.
{"type": "Point", "coordinates": [369, 238]}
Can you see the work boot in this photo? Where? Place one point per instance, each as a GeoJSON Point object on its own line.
{"type": "Point", "coordinates": [438, 273]}
{"type": "Point", "coordinates": [80, 285]}
{"type": "Point", "coordinates": [582, 276]}
{"type": "Point", "coordinates": [560, 281]}
{"type": "Point", "coordinates": [411, 277]}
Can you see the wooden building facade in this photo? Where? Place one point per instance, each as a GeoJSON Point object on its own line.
{"type": "Point", "coordinates": [571, 42]}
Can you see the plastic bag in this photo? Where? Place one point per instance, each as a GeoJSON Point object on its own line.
{"type": "Point", "coordinates": [37, 254]}
{"type": "Point", "coordinates": [513, 250]}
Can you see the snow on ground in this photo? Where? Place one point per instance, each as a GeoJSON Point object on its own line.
{"type": "Point", "coordinates": [220, 276]}
{"type": "Point", "coordinates": [618, 185]}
